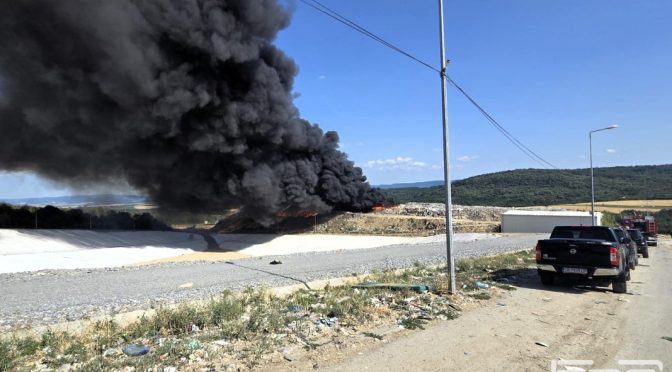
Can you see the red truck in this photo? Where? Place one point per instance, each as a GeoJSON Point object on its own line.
{"type": "Point", "coordinates": [646, 224]}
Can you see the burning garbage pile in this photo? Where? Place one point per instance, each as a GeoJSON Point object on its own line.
{"type": "Point", "coordinates": [189, 103]}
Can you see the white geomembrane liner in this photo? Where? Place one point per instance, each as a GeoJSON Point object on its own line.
{"type": "Point", "coordinates": [33, 250]}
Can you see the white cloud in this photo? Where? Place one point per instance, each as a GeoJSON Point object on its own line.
{"type": "Point", "coordinates": [466, 158]}
{"type": "Point", "coordinates": [398, 163]}
{"type": "Point", "coordinates": [611, 151]}
{"type": "Point", "coordinates": [322, 77]}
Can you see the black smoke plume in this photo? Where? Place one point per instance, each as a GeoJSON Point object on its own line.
{"type": "Point", "coordinates": [188, 101]}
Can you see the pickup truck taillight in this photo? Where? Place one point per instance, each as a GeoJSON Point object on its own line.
{"type": "Point", "coordinates": [614, 257]}
{"type": "Point", "coordinates": [537, 253]}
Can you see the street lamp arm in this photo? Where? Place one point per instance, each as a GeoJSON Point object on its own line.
{"type": "Point", "coordinates": [607, 128]}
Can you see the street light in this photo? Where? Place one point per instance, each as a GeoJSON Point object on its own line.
{"type": "Point", "coordinates": [592, 182]}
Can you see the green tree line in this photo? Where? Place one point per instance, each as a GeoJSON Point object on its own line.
{"type": "Point", "coordinates": [530, 187]}
{"type": "Point", "coordinates": [50, 217]}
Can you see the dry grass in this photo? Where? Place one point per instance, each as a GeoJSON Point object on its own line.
{"type": "Point", "coordinates": [255, 323]}
{"type": "Point", "coordinates": [616, 206]}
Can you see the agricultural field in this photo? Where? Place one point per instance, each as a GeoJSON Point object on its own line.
{"type": "Point", "coordinates": [617, 206]}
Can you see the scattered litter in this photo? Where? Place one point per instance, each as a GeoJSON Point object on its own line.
{"type": "Point", "coordinates": [547, 299]}
{"type": "Point", "coordinates": [193, 328]}
{"type": "Point", "coordinates": [481, 285]}
{"type": "Point", "coordinates": [169, 369]}
{"type": "Point", "coordinates": [541, 344]}
{"type": "Point", "coordinates": [135, 349]}
{"type": "Point", "coordinates": [667, 338]}
{"type": "Point", "coordinates": [327, 321]}
{"type": "Point", "coordinates": [623, 299]}
{"type": "Point", "coordinates": [587, 318]}
{"type": "Point", "coordinates": [419, 288]}
{"type": "Point", "coordinates": [587, 332]}
{"type": "Point", "coordinates": [187, 285]}
{"type": "Point", "coordinates": [295, 308]}
{"type": "Point", "coordinates": [193, 345]}
{"type": "Point", "coordinates": [611, 314]}
{"type": "Point", "coordinates": [600, 302]}
{"type": "Point", "coordinates": [276, 262]}
{"type": "Point", "coordinates": [501, 304]}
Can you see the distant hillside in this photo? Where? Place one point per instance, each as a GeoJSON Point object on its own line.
{"type": "Point", "coordinates": [526, 187]}
{"type": "Point", "coordinates": [409, 185]}
{"type": "Point", "coordinates": [78, 200]}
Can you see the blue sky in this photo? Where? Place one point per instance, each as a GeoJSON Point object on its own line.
{"type": "Point", "coordinates": [548, 71]}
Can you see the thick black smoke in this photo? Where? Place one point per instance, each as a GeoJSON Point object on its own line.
{"type": "Point", "coordinates": [187, 100]}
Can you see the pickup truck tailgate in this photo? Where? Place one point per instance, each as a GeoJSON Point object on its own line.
{"type": "Point", "coordinates": [580, 252]}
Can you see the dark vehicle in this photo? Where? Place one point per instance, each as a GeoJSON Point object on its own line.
{"type": "Point", "coordinates": [592, 253]}
{"type": "Point", "coordinates": [640, 240]}
{"type": "Point", "coordinates": [623, 236]}
{"type": "Point", "coordinates": [646, 224]}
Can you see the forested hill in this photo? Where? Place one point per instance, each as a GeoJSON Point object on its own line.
{"type": "Point", "coordinates": [526, 187]}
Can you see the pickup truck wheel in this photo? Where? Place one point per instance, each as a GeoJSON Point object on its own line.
{"type": "Point", "coordinates": [547, 278]}
{"type": "Point", "coordinates": [645, 253]}
{"type": "Point", "coordinates": [620, 285]}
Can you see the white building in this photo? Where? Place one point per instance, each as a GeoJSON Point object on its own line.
{"type": "Point", "coordinates": [519, 221]}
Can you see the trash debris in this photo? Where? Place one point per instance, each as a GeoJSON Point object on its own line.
{"type": "Point", "coordinates": [135, 349]}
{"type": "Point", "coordinates": [419, 288]}
{"type": "Point", "coordinates": [667, 338]}
{"type": "Point", "coordinates": [481, 285]}
{"type": "Point", "coordinates": [193, 345]}
{"type": "Point", "coordinates": [169, 369]}
{"type": "Point", "coordinates": [611, 314]}
{"type": "Point", "coordinates": [623, 299]}
{"type": "Point", "coordinates": [547, 299]}
{"type": "Point", "coordinates": [541, 344]}
{"type": "Point", "coordinates": [331, 321]}
{"type": "Point", "coordinates": [193, 328]}
{"type": "Point", "coordinates": [187, 285]}
{"type": "Point", "coordinates": [295, 308]}
{"type": "Point", "coordinates": [501, 304]}
{"type": "Point", "coordinates": [276, 262]}
{"type": "Point", "coordinates": [600, 302]}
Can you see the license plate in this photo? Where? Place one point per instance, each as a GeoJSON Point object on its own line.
{"type": "Point", "coordinates": [574, 270]}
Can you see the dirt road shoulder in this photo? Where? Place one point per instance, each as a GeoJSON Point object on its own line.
{"type": "Point", "coordinates": [525, 330]}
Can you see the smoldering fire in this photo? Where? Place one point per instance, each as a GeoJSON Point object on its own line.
{"type": "Point", "coordinates": [188, 101]}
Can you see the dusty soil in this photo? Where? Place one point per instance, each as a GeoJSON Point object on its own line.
{"type": "Point", "coordinates": [528, 329]}
{"type": "Point", "coordinates": [617, 206]}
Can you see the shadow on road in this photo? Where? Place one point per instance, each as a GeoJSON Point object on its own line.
{"type": "Point", "coordinates": [528, 278]}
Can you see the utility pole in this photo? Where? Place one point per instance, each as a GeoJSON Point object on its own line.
{"type": "Point", "coordinates": [446, 159]}
{"type": "Point", "coordinates": [592, 179]}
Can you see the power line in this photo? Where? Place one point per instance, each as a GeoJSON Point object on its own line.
{"type": "Point", "coordinates": [315, 4]}
{"type": "Point", "coordinates": [533, 155]}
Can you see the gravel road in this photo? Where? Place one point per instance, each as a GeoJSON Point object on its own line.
{"type": "Point", "coordinates": [47, 297]}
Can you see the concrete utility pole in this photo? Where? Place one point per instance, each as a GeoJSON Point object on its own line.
{"type": "Point", "coordinates": [592, 181]}
{"type": "Point", "coordinates": [446, 159]}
